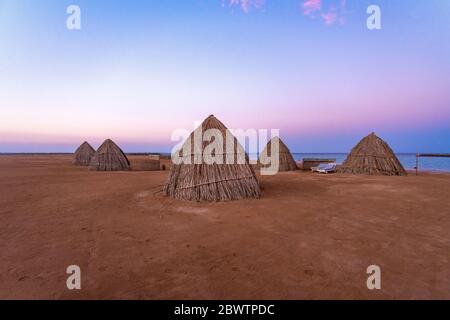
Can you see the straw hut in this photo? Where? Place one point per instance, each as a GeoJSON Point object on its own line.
{"type": "Point", "coordinates": [109, 157]}
{"type": "Point", "coordinates": [372, 156]}
{"type": "Point", "coordinates": [203, 173]}
{"type": "Point", "coordinates": [286, 161]}
{"type": "Point", "coordinates": [83, 154]}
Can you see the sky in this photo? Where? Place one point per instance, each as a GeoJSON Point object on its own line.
{"type": "Point", "coordinates": [138, 70]}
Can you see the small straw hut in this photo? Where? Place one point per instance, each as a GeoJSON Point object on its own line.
{"type": "Point", "coordinates": [109, 157]}
{"type": "Point", "coordinates": [206, 173]}
{"type": "Point", "coordinates": [286, 160]}
{"type": "Point", "coordinates": [372, 156]}
{"type": "Point", "coordinates": [83, 154]}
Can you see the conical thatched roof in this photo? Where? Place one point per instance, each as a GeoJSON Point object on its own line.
{"type": "Point", "coordinates": [202, 180]}
{"type": "Point", "coordinates": [109, 157]}
{"type": "Point", "coordinates": [83, 154]}
{"type": "Point", "coordinates": [286, 161]}
{"type": "Point", "coordinates": [372, 156]}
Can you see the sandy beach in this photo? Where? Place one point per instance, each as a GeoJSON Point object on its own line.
{"type": "Point", "coordinates": [310, 236]}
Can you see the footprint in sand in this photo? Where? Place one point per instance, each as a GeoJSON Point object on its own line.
{"type": "Point", "coordinates": [192, 210]}
{"type": "Point", "coordinates": [201, 212]}
{"type": "Point", "coordinates": [142, 194]}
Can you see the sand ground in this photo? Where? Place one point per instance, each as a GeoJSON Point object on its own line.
{"type": "Point", "coordinates": [309, 237]}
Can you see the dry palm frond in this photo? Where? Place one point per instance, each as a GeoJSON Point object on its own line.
{"type": "Point", "coordinates": [372, 156]}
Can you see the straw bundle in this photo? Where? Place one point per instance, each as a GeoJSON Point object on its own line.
{"type": "Point", "coordinates": [204, 180]}
{"type": "Point", "coordinates": [144, 163]}
{"type": "Point", "coordinates": [109, 157]}
{"type": "Point", "coordinates": [286, 161]}
{"type": "Point", "coordinates": [372, 156]}
{"type": "Point", "coordinates": [83, 154]}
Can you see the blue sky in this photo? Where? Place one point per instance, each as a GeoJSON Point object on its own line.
{"type": "Point", "coordinates": [137, 70]}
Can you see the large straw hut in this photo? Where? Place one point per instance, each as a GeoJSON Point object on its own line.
{"type": "Point", "coordinates": [286, 161]}
{"type": "Point", "coordinates": [203, 172]}
{"type": "Point", "coordinates": [83, 154]}
{"type": "Point", "coordinates": [109, 157]}
{"type": "Point", "coordinates": [372, 156]}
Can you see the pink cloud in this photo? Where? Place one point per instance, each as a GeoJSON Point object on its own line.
{"type": "Point", "coordinates": [331, 14]}
{"type": "Point", "coordinates": [329, 17]}
{"type": "Point", "coordinates": [245, 5]}
{"type": "Point", "coordinates": [311, 6]}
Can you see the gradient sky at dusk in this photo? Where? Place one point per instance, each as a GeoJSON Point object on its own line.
{"type": "Point", "coordinates": [140, 69]}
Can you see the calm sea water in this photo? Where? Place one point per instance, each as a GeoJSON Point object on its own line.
{"type": "Point", "coordinates": [408, 160]}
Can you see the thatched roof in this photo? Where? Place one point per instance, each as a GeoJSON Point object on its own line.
{"type": "Point", "coordinates": [286, 161]}
{"type": "Point", "coordinates": [202, 180]}
{"type": "Point", "coordinates": [109, 157]}
{"type": "Point", "coordinates": [83, 154]}
{"type": "Point", "coordinates": [372, 156]}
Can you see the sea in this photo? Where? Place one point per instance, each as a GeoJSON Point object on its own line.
{"type": "Point", "coordinates": [408, 160]}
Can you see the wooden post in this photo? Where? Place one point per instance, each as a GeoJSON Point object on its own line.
{"type": "Point", "coordinates": [417, 164]}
